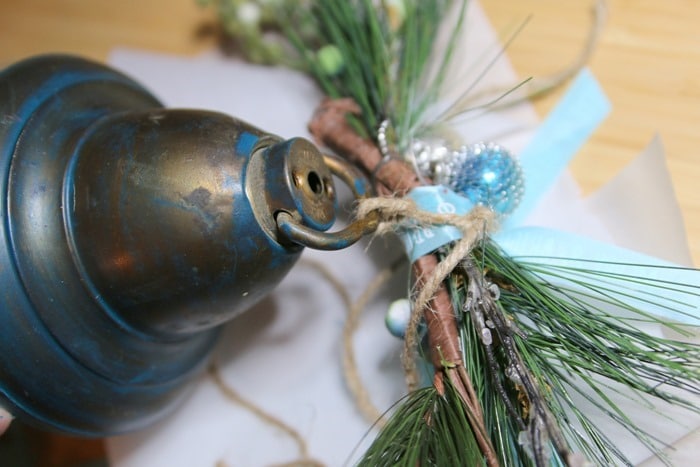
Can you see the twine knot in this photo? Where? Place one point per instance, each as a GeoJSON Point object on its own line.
{"type": "Point", "coordinates": [397, 213]}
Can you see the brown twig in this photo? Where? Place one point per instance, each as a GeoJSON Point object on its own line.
{"type": "Point", "coordinates": [330, 127]}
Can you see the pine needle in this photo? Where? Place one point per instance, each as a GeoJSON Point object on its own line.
{"type": "Point", "coordinates": [383, 65]}
{"type": "Point", "coordinates": [576, 341]}
{"type": "Point", "coordinates": [427, 429]}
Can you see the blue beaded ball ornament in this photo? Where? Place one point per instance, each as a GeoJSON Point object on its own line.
{"type": "Point", "coordinates": [485, 173]}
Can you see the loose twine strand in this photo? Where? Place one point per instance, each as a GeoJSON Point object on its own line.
{"type": "Point", "coordinates": [351, 373]}
{"type": "Point", "coordinates": [231, 394]}
{"type": "Point", "coordinates": [363, 401]}
{"type": "Point", "coordinates": [354, 310]}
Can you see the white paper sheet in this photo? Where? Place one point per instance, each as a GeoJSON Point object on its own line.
{"type": "Point", "coordinates": [284, 355]}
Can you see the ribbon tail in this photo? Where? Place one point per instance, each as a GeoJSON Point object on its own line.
{"type": "Point", "coordinates": [631, 282]}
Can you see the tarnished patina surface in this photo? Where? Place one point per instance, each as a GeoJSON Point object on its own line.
{"type": "Point", "coordinates": [129, 234]}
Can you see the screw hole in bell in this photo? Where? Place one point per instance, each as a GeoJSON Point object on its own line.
{"type": "Point", "coordinates": [315, 183]}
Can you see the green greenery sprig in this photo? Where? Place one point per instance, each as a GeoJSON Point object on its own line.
{"type": "Point", "coordinates": [256, 28]}
{"type": "Point", "coordinates": [576, 335]}
{"type": "Point", "coordinates": [427, 429]}
{"type": "Point", "coordinates": [579, 339]}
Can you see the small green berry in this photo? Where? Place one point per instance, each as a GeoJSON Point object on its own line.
{"type": "Point", "coordinates": [330, 59]}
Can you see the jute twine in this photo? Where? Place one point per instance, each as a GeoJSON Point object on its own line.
{"type": "Point", "coordinates": [354, 309]}
{"type": "Point", "coordinates": [232, 395]}
{"type": "Point", "coordinates": [398, 213]}
{"type": "Point", "coordinates": [394, 214]}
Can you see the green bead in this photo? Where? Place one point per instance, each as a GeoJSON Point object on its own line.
{"type": "Point", "coordinates": [330, 59]}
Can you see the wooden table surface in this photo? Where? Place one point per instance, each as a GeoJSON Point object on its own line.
{"type": "Point", "coordinates": [647, 59]}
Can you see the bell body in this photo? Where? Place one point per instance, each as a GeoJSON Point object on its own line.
{"type": "Point", "coordinates": [129, 234]}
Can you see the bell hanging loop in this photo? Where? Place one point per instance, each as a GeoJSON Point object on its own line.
{"type": "Point", "coordinates": [301, 234]}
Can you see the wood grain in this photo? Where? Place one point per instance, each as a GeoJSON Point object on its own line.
{"type": "Point", "coordinates": [648, 62]}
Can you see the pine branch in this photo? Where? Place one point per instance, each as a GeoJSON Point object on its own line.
{"type": "Point", "coordinates": [382, 65]}
{"type": "Point", "coordinates": [571, 344]}
{"type": "Point", "coordinates": [513, 362]}
{"type": "Point", "coordinates": [426, 430]}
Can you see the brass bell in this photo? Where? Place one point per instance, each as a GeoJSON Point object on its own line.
{"type": "Point", "coordinates": [129, 233]}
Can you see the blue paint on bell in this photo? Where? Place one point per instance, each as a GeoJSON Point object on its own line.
{"type": "Point", "coordinates": [489, 175]}
{"type": "Point", "coordinates": [246, 142]}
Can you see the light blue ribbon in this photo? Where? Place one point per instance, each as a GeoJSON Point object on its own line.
{"type": "Point", "coordinates": [633, 280]}
{"type": "Point", "coordinates": [557, 140]}
{"type": "Point", "coordinates": [420, 241]}
{"type": "Point", "coordinates": [567, 127]}
{"type": "Point", "coordinates": [640, 281]}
